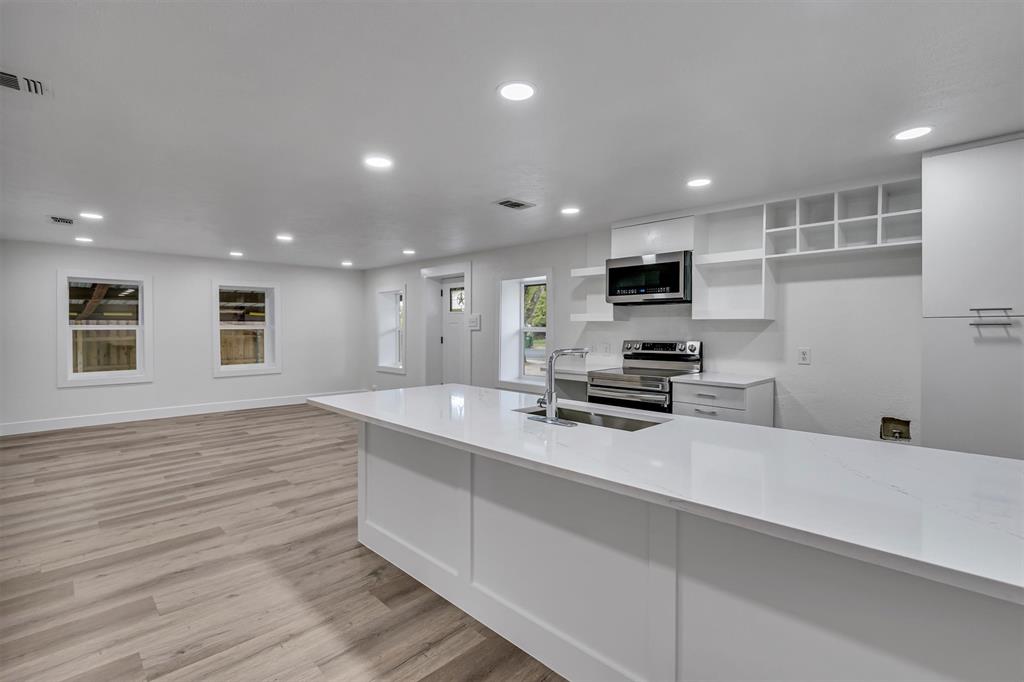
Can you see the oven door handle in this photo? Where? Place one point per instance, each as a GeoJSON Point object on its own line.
{"type": "Point", "coordinates": [648, 384]}
{"type": "Point", "coordinates": [662, 400]}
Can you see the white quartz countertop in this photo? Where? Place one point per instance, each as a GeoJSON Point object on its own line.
{"type": "Point", "coordinates": [722, 379]}
{"type": "Point", "coordinates": [948, 516]}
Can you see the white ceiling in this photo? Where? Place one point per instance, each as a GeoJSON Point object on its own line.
{"type": "Point", "coordinates": [198, 128]}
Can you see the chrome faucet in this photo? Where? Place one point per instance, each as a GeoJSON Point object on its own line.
{"type": "Point", "coordinates": [549, 400]}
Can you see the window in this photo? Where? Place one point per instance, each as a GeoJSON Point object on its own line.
{"type": "Point", "coordinates": [391, 331]}
{"type": "Point", "coordinates": [246, 334]}
{"type": "Point", "coordinates": [456, 299]}
{"type": "Point", "coordinates": [524, 330]}
{"type": "Point", "coordinates": [102, 337]}
{"type": "Point", "coordinates": [535, 327]}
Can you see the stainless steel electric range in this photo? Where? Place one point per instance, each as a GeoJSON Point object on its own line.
{"type": "Point", "coordinates": [645, 379]}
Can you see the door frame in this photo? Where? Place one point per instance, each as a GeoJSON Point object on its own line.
{"type": "Point", "coordinates": [462, 269]}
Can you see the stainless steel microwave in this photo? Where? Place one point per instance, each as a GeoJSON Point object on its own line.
{"type": "Point", "coordinates": [657, 278]}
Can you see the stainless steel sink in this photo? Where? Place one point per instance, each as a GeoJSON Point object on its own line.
{"type": "Point", "coordinates": [608, 421]}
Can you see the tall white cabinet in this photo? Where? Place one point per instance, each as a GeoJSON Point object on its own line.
{"type": "Point", "coordinates": [973, 298]}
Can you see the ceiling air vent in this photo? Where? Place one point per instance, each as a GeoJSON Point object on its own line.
{"type": "Point", "coordinates": [60, 220]}
{"type": "Point", "coordinates": [29, 85]}
{"type": "Point", "coordinates": [515, 203]}
{"type": "Point", "coordinates": [9, 80]}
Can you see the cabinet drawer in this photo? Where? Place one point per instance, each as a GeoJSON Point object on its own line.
{"type": "Point", "coordinates": [727, 414]}
{"type": "Point", "coordinates": [719, 396]}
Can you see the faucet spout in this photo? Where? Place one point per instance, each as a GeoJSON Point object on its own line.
{"type": "Point", "coordinates": [550, 398]}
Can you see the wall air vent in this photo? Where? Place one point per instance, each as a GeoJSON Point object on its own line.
{"type": "Point", "coordinates": [515, 204]}
{"type": "Point", "coordinates": [29, 85]}
{"type": "Point", "coordinates": [60, 220]}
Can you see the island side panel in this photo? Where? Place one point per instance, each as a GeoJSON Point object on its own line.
{"type": "Point", "coordinates": [756, 607]}
{"type": "Point", "coordinates": [561, 569]}
{"type": "Point", "coordinates": [415, 493]}
{"type": "Point", "coordinates": [577, 559]}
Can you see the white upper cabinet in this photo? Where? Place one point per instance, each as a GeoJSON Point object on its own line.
{"type": "Point", "coordinates": [660, 236]}
{"type": "Point", "coordinates": [973, 253]}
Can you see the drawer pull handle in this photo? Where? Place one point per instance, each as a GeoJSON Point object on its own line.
{"type": "Point", "coordinates": [707, 395]}
{"type": "Point", "coordinates": [991, 324]}
{"type": "Point", "coordinates": [978, 310]}
{"type": "Point", "coordinates": [700, 411]}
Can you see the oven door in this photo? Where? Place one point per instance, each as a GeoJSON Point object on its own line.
{"type": "Point", "coordinates": [638, 400]}
{"type": "Point", "coordinates": [661, 278]}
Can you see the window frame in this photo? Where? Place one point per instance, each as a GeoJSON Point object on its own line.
{"type": "Point", "coordinates": [271, 335]}
{"type": "Point", "coordinates": [143, 372]}
{"type": "Point", "coordinates": [400, 328]}
{"type": "Point", "coordinates": [511, 312]}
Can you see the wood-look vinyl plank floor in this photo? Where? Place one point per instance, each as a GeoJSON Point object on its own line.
{"type": "Point", "coordinates": [214, 547]}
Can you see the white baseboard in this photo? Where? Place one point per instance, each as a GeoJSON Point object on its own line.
{"type": "Point", "coordinates": [55, 423]}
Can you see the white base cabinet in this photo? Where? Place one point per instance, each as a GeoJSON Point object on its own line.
{"type": "Point", "coordinates": [973, 385]}
{"type": "Point", "coordinates": [728, 399]}
{"type": "Point", "coordinates": [602, 586]}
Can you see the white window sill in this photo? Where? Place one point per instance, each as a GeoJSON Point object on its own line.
{"type": "Point", "coordinates": [524, 384]}
{"type": "Point", "coordinates": [391, 369]}
{"type": "Point", "coordinates": [104, 379]}
{"type": "Point", "coordinates": [244, 370]}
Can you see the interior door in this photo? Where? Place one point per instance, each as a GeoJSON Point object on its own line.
{"type": "Point", "coordinates": [453, 303]}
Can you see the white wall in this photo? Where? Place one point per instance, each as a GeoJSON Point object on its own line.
{"type": "Point", "coordinates": [861, 316]}
{"type": "Point", "coordinates": [320, 327]}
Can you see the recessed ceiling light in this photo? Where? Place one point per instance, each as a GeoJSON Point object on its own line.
{"type": "Point", "coordinates": [570, 210]}
{"type": "Point", "coordinates": [379, 162]}
{"type": "Point", "coordinates": [346, 263]}
{"type": "Point", "coordinates": [698, 182]}
{"type": "Point", "coordinates": [516, 91]}
{"type": "Point", "coordinates": [90, 216]}
{"type": "Point", "coordinates": [284, 237]}
{"type": "Point", "coordinates": [409, 252]}
{"type": "Point", "coordinates": [84, 240]}
{"type": "Point", "coordinates": [911, 133]}
{"type": "Point", "coordinates": [236, 254]}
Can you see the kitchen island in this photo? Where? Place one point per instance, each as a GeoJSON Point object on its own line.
{"type": "Point", "coordinates": [696, 549]}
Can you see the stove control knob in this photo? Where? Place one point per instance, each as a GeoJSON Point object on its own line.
{"type": "Point", "coordinates": [692, 348]}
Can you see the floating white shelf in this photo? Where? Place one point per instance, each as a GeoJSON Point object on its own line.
{"type": "Point", "coordinates": [593, 317]}
{"type": "Point", "coordinates": [728, 315]}
{"type": "Point", "coordinates": [726, 257]}
{"type": "Point", "coordinates": [847, 249]}
{"type": "Point", "coordinates": [590, 271]}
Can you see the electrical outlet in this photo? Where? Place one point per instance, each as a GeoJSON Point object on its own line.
{"type": "Point", "coordinates": [803, 356]}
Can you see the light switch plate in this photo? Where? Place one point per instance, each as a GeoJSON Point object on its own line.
{"type": "Point", "coordinates": [803, 356]}
{"type": "Point", "coordinates": [473, 322]}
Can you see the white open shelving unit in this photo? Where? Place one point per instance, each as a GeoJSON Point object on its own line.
{"type": "Point", "coordinates": [597, 308]}
{"type": "Point", "coordinates": [734, 250]}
